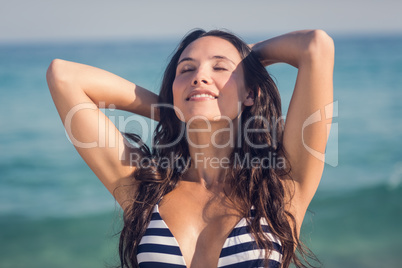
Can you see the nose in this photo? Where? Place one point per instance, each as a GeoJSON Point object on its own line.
{"type": "Point", "coordinates": [201, 77]}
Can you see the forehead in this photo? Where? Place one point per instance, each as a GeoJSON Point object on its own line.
{"type": "Point", "coordinates": [210, 46]}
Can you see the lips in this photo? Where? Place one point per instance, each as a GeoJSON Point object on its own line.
{"type": "Point", "coordinates": [201, 94]}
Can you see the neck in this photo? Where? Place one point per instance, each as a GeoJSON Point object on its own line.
{"type": "Point", "coordinates": [210, 146]}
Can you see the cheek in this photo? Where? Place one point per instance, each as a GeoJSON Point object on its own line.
{"type": "Point", "coordinates": [230, 106]}
{"type": "Point", "coordinates": [234, 89]}
{"type": "Point", "coordinates": [179, 83]}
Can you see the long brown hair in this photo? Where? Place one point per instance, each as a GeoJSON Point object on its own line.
{"type": "Point", "coordinates": [260, 186]}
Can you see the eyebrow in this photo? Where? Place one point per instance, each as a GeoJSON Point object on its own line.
{"type": "Point", "coordinates": [214, 57]}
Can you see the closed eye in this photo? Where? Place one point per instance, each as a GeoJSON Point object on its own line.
{"type": "Point", "coordinates": [185, 70]}
{"type": "Point", "coordinates": [220, 69]}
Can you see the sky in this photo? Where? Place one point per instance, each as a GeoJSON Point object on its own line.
{"type": "Point", "coordinates": [43, 20]}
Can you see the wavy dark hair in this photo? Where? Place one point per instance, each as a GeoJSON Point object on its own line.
{"type": "Point", "coordinates": [255, 185]}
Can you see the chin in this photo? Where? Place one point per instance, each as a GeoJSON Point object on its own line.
{"type": "Point", "coordinates": [202, 118]}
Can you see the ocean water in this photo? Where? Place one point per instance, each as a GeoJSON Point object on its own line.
{"type": "Point", "coordinates": [55, 213]}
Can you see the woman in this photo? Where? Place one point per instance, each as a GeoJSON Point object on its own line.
{"type": "Point", "coordinates": [226, 184]}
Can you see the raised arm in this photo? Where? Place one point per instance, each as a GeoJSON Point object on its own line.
{"type": "Point", "coordinates": [77, 91]}
{"type": "Point", "coordinates": [310, 109]}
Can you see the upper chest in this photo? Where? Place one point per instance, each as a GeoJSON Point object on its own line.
{"type": "Point", "coordinates": [190, 229]}
{"type": "Point", "coordinates": [200, 223]}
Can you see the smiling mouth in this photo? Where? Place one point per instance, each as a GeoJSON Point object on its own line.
{"type": "Point", "coordinates": [201, 97]}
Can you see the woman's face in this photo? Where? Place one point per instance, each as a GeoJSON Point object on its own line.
{"type": "Point", "coordinates": [209, 83]}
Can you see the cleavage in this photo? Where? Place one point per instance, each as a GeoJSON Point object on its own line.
{"type": "Point", "coordinates": [200, 229]}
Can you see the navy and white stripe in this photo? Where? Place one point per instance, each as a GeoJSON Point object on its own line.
{"type": "Point", "coordinates": [159, 248]}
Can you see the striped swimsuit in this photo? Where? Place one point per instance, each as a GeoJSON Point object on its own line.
{"type": "Point", "coordinates": [158, 247]}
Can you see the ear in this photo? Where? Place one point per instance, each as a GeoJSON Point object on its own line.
{"type": "Point", "coordinates": [250, 99]}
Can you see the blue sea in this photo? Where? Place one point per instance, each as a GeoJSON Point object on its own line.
{"type": "Point", "coordinates": [55, 213]}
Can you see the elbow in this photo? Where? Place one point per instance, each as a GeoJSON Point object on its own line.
{"type": "Point", "coordinates": [320, 46]}
{"type": "Point", "coordinates": [321, 42]}
{"type": "Point", "coordinates": [56, 74]}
